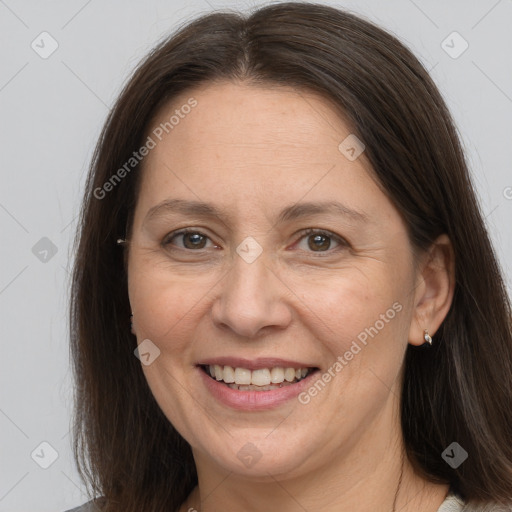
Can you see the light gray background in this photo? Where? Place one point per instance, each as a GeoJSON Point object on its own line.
{"type": "Point", "coordinates": [51, 112]}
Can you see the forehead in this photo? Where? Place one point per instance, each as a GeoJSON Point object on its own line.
{"type": "Point", "coordinates": [236, 112]}
{"type": "Point", "coordinates": [247, 124]}
{"type": "Point", "coordinates": [247, 147]}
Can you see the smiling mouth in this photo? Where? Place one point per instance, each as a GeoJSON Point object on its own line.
{"type": "Point", "coordinates": [264, 379]}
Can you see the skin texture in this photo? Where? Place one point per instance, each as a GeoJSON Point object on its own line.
{"type": "Point", "coordinates": [251, 151]}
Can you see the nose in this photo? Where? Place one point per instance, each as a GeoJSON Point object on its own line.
{"type": "Point", "coordinates": [252, 300]}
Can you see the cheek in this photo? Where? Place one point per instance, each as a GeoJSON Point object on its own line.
{"type": "Point", "coordinates": [345, 301]}
{"type": "Point", "coordinates": [165, 304]}
{"type": "Point", "coordinates": [336, 305]}
{"type": "Point", "coordinates": [359, 316]}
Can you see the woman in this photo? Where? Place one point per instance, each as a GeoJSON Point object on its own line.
{"type": "Point", "coordinates": [284, 295]}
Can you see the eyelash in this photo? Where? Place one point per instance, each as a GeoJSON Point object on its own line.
{"type": "Point", "coordinates": [303, 234]}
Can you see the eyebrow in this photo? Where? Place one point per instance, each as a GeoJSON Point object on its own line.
{"type": "Point", "coordinates": [289, 213]}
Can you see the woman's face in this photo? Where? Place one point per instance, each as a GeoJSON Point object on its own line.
{"type": "Point", "coordinates": [294, 258]}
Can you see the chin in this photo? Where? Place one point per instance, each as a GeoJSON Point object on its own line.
{"type": "Point", "coordinates": [257, 453]}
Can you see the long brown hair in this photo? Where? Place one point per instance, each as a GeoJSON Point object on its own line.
{"type": "Point", "coordinates": [460, 390]}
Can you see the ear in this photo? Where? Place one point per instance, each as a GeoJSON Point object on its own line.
{"type": "Point", "coordinates": [435, 286]}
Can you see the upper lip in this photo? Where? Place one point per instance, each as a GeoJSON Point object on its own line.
{"type": "Point", "coordinates": [254, 364]}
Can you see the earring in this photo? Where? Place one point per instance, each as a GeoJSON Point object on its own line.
{"type": "Point", "coordinates": [427, 337]}
{"type": "Point", "coordinates": [131, 324]}
{"type": "Point", "coordinates": [121, 241]}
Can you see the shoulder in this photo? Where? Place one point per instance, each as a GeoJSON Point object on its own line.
{"type": "Point", "coordinates": [454, 503]}
{"type": "Point", "coordinates": [487, 507]}
{"type": "Point", "coordinates": [86, 507]}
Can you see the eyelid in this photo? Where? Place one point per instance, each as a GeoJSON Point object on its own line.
{"type": "Point", "coordinates": [183, 231]}
{"type": "Point", "coordinates": [317, 231]}
{"type": "Point", "coordinates": [302, 234]}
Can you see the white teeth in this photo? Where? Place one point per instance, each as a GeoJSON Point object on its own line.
{"type": "Point", "coordinates": [228, 375]}
{"type": "Point", "coordinates": [289, 374]}
{"type": "Point", "coordinates": [252, 387]}
{"type": "Point", "coordinates": [277, 375]}
{"type": "Point", "coordinates": [260, 377]}
{"type": "Point", "coordinates": [242, 376]}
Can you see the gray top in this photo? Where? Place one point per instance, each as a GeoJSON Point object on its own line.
{"type": "Point", "coordinates": [452, 503]}
{"type": "Point", "coordinates": [86, 507]}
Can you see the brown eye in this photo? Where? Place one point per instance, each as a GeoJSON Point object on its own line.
{"type": "Point", "coordinates": [320, 241]}
{"type": "Point", "coordinates": [194, 240]}
{"type": "Point", "coordinates": [191, 240]}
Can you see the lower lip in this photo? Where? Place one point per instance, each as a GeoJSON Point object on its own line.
{"type": "Point", "coordinates": [254, 400]}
